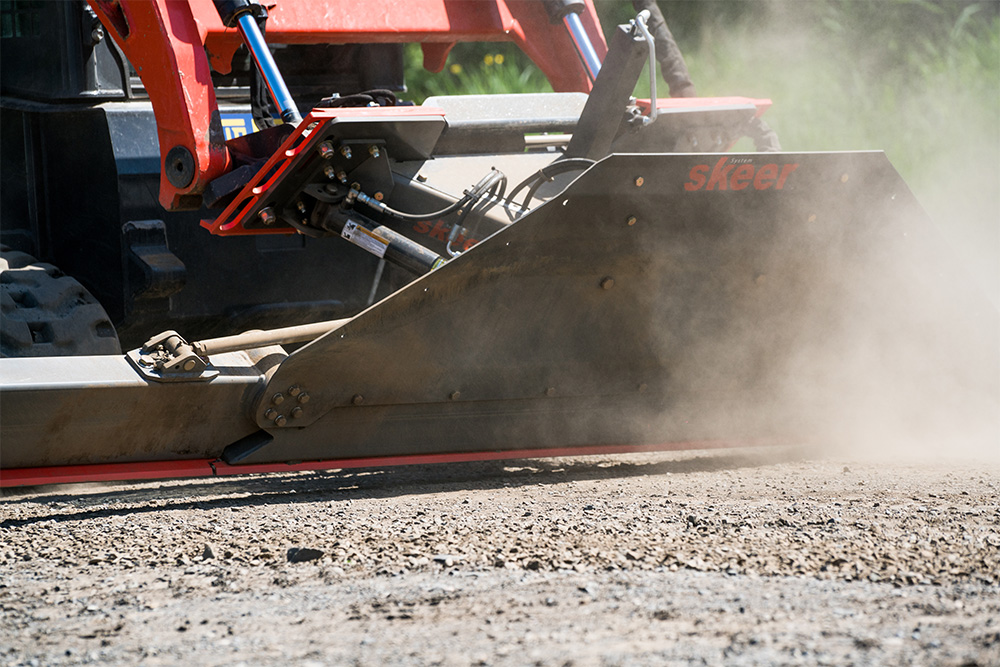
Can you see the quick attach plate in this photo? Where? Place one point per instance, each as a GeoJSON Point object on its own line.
{"type": "Point", "coordinates": [337, 138]}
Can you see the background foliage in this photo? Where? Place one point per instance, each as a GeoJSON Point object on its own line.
{"type": "Point", "coordinates": [919, 79]}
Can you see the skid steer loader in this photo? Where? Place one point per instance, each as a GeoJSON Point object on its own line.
{"type": "Point", "coordinates": [228, 287]}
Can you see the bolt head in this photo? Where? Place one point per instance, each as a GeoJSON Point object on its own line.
{"type": "Point", "coordinates": [278, 398]}
{"type": "Point", "coordinates": [639, 181]}
{"type": "Point", "coordinates": [608, 283]}
{"type": "Point", "coordinates": [346, 151]}
{"type": "Point", "coordinates": [280, 420]}
{"type": "Point", "coordinates": [631, 220]}
{"type": "Point", "coordinates": [294, 390]}
{"type": "Point", "coordinates": [551, 391]}
{"type": "Point", "coordinates": [296, 412]}
{"type": "Point", "coordinates": [270, 413]}
{"type": "Point", "coordinates": [358, 399]}
{"type": "Point", "coordinates": [189, 365]}
{"type": "Point", "coordinates": [303, 397]}
{"type": "Point", "coordinates": [455, 395]}
{"type": "Point", "coordinates": [267, 216]}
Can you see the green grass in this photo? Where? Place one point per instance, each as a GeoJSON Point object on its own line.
{"type": "Point", "coordinates": [473, 69]}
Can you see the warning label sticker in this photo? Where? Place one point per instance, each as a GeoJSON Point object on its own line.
{"type": "Point", "coordinates": [364, 238]}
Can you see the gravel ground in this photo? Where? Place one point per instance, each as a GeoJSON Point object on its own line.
{"type": "Point", "coordinates": [737, 557]}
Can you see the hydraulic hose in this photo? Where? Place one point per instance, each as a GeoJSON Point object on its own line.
{"type": "Point", "coordinates": [495, 195]}
{"type": "Point", "coordinates": [486, 183]}
{"type": "Point", "coordinates": [546, 174]}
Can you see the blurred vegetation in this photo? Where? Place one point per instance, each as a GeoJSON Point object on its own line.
{"type": "Point", "coordinates": [472, 69]}
{"type": "Point", "coordinates": [919, 79]}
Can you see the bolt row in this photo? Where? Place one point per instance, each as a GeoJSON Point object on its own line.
{"type": "Point", "coordinates": [295, 392]}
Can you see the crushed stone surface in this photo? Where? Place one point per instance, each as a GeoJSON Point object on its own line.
{"type": "Point", "coordinates": [763, 556]}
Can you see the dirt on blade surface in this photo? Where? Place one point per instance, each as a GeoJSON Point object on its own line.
{"type": "Point", "coordinates": [734, 557]}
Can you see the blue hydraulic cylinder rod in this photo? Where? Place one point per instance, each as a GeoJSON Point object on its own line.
{"type": "Point", "coordinates": [247, 26]}
{"type": "Point", "coordinates": [582, 42]}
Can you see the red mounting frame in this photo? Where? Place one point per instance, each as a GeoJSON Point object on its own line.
{"type": "Point", "coordinates": [286, 160]}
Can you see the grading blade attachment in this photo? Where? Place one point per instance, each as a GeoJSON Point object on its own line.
{"type": "Point", "coordinates": [659, 298]}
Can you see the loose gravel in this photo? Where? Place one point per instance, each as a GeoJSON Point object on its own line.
{"type": "Point", "coordinates": [758, 556]}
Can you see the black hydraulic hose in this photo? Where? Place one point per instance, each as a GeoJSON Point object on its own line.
{"type": "Point", "coordinates": [546, 174]}
{"type": "Point", "coordinates": [485, 183]}
{"type": "Point", "coordinates": [497, 188]}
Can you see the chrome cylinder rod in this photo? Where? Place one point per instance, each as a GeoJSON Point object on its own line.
{"type": "Point", "coordinates": [583, 45]}
{"type": "Point", "coordinates": [247, 26]}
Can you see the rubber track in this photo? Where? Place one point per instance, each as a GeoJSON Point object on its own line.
{"type": "Point", "coordinates": [46, 313]}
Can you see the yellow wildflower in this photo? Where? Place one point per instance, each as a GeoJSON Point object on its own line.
{"type": "Point", "coordinates": [488, 59]}
{"type": "Point", "coordinates": [455, 68]}
{"type": "Point", "coordinates": [498, 59]}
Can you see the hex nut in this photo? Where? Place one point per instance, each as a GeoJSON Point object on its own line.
{"type": "Point", "coordinates": [267, 216]}
{"type": "Point", "coordinates": [325, 150]}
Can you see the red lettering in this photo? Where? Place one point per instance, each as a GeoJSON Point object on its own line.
{"type": "Point", "coordinates": [719, 175]}
{"type": "Point", "coordinates": [786, 171]}
{"type": "Point", "coordinates": [697, 176]}
{"type": "Point", "coordinates": [440, 232]}
{"type": "Point", "coordinates": [765, 177]}
{"type": "Point", "coordinates": [469, 244]}
{"type": "Point", "coordinates": [422, 227]}
{"type": "Point", "coordinates": [738, 176]}
{"type": "Point", "coordinates": [741, 177]}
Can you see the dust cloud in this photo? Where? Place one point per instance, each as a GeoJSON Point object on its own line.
{"type": "Point", "coordinates": [876, 336]}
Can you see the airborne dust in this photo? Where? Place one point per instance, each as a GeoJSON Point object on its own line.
{"type": "Point", "coordinates": [862, 319]}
